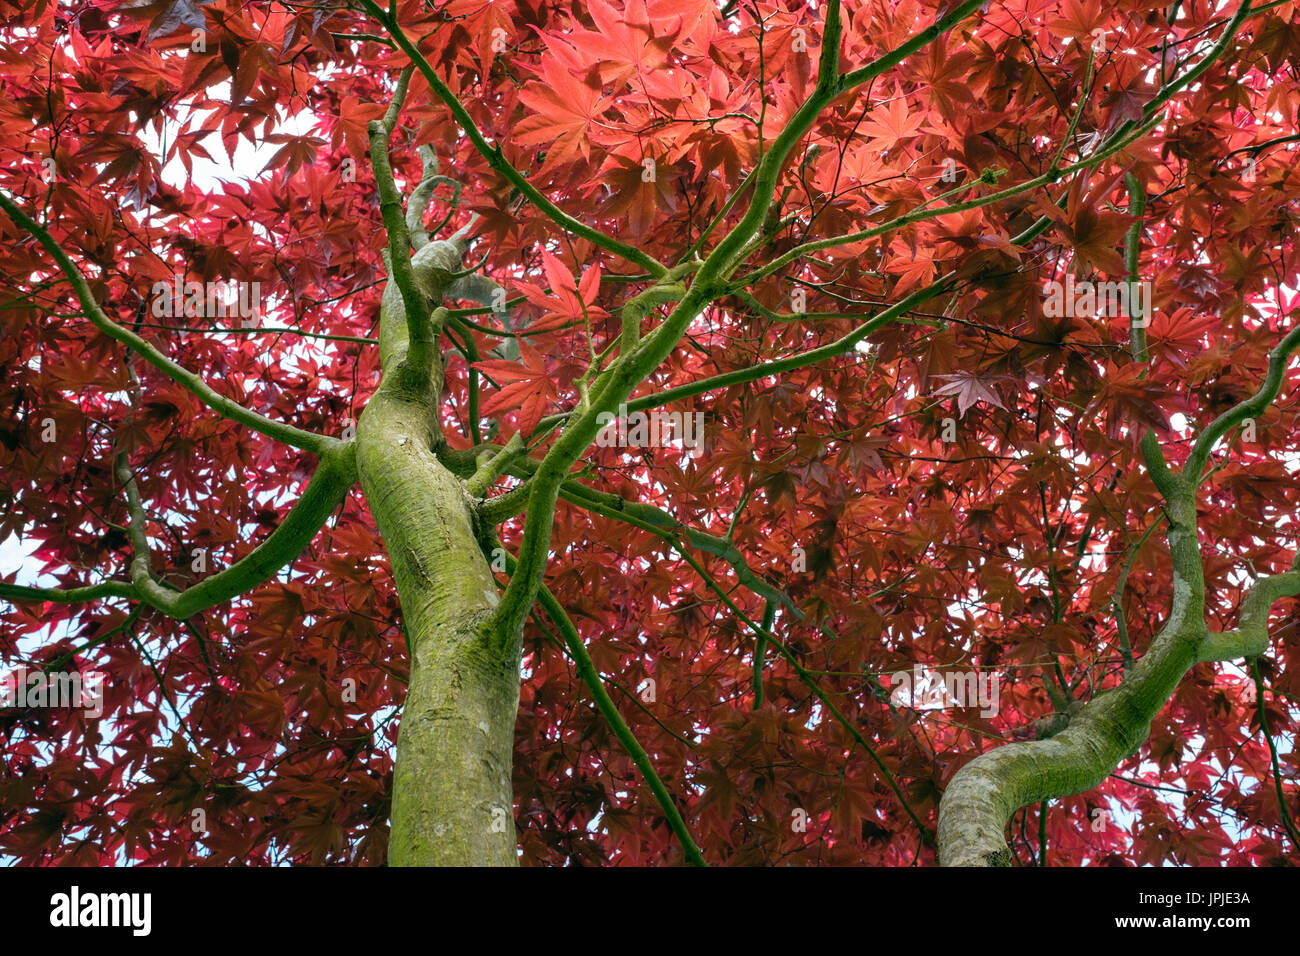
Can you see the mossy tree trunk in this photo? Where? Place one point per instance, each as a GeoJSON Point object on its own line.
{"type": "Point", "coordinates": [452, 795]}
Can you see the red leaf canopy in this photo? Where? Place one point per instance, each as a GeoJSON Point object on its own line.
{"type": "Point", "coordinates": [958, 488]}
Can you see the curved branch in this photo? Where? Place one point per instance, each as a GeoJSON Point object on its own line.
{"type": "Point", "coordinates": [498, 161]}
{"type": "Point", "coordinates": [93, 592]}
{"type": "Point", "coordinates": [418, 202]}
{"type": "Point", "coordinates": [335, 474]}
{"type": "Point", "coordinates": [280, 431]}
{"type": "Point", "coordinates": [420, 335]}
{"type": "Point", "coordinates": [984, 793]}
{"type": "Point", "coordinates": [1132, 260]}
{"type": "Point", "coordinates": [491, 465]}
{"type": "Point", "coordinates": [982, 796]}
{"type": "Point", "coordinates": [1250, 637]}
{"type": "Point", "coordinates": [1112, 726]}
{"type": "Point", "coordinates": [1278, 358]}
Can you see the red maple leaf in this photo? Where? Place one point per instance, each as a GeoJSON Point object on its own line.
{"type": "Point", "coordinates": [526, 387]}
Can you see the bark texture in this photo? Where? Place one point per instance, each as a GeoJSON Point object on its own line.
{"type": "Point", "coordinates": [983, 795]}
{"type": "Point", "coordinates": [452, 796]}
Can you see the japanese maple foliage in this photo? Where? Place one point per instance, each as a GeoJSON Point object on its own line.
{"type": "Point", "coordinates": [958, 488]}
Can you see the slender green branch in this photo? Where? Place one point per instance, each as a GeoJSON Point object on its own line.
{"type": "Point", "coordinates": [93, 592]}
{"type": "Point", "coordinates": [1278, 359]}
{"type": "Point", "coordinates": [1166, 482]}
{"type": "Point", "coordinates": [760, 651]}
{"type": "Point", "coordinates": [62, 660]}
{"type": "Point", "coordinates": [698, 244]}
{"type": "Point", "coordinates": [806, 676]}
{"type": "Point", "coordinates": [492, 153]}
{"type": "Point", "coordinates": [492, 465]}
{"type": "Point", "coordinates": [279, 431]}
{"type": "Point", "coordinates": [759, 370]}
{"type": "Point", "coordinates": [616, 383]}
{"type": "Point", "coordinates": [389, 120]}
{"type": "Point", "coordinates": [923, 39]}
{"type": "Point", "coordinates": [1074, 119]}
{"type": "Point", "coordinates": [421, 338]}
{"type": "Point", "coordinates": [335, 474]}
{"type": "Point", "coordinates": [668, 289]}
{"type": "Point", "coordinates": [1122, 137]}
{"type": "Point", "coordinates": [605, 704]}
{"type": "Point", "coordinates": [984, 793]}
{"type": "Point", "coordinates": [1117, 142]}
{"type": "Point", "coordinates": [644, 516]}
{"type": "Point", "coordinates": [609, 710]}
{"type": "Point", "coordinates": [1282, 809]}
{"type": "Point", "coordinates": [659, 523]}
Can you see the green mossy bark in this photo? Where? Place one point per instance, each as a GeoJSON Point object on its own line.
{"type": "Point", "coordinates": [984, 793]}
{"type": "Point", "coordinates": [452, 793]}
{"type": "Point", "coordinates": [334, 475]}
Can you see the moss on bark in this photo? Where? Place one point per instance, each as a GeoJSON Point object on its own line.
{"type": "Point", "coordinates": [452, 794]}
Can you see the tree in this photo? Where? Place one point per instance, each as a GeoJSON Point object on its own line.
{"type": "Point", "coordinates": [714, 432]}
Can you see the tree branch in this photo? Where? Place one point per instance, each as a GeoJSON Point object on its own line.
{"type": "Point", "coordinates": [422, 195]}
{"type": "Point", "coordinates": [93, 592]}
{"type": "Point", "coordinates": [616, 383]}
{"type": "Point", "coordinates": [984, 793]}
{"type": "Point", "coordinates": [605, 704]}
{"type": "Point", "coordinates": [288, 434]}
{"type": "Point", "coordinates": [420, 335]}
{"type": "Point", "coordinates": [498, 161]}
{"type": "Point", "coordinates": [335, 474]}
{"type": "Point", "coordinates": [1123, 136]}
{"type": "Point", "coordinates": [1287, 823]}
{"type": "Point", "coordinates": [1250, 637]}
{"type": "Point", "coordinates": [1278, 358]}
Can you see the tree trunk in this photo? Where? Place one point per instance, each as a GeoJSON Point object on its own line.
{"type": "Point", "coordinates": [452, 794]}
